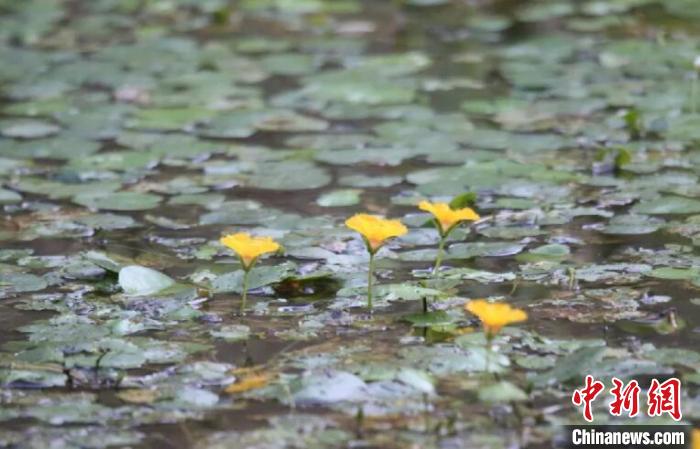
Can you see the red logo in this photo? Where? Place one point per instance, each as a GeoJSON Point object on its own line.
{"type": "Point", "coordinates": [665, 398]}
{"type": "Point", "coordinates": [661, 398]}
{"type": "Point", "coordinates": [587, 395]}
{"type": "Point", "coordinates": [626, 398]}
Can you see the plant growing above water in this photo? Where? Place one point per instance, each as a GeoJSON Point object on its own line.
{"type": "Point", "coordinates": [248, 249]}
{"type": "Point", "coordinates": [446, 218]}
{"type": "Point", "coordinates": [494, 316]}
{"type": "Point", "coordinates": [694, 85]}
{"type": "Point", "coordinates": [375, 231]}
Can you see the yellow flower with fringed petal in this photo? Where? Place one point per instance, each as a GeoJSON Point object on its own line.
{"type": "Point", "coordinates": [252, 382]}
{"type": "Point", "coordinates": [249, 248]}
{"type": "Point", "coordinates": [446, 217]}
{"type": "Point", "coordinates": [375, 230]}
{"type": "Point", "coordinates": [495, 315]}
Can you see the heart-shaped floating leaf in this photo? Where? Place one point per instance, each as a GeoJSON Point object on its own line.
{"type": "Point", "coordinates": [467, 199]}
{"type": "Point", "coordinates": [502, 392]}
{"type": "Point", "coordinates": [123, 201]}
{"type": "Point", "coordinates": [437, 318]}
{"type": "Point", "coordinates": [138, 281]}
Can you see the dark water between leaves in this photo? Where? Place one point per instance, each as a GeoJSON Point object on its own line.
{"type": "Point", "coordinates": [138, 133]}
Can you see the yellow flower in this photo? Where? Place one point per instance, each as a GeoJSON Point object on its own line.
{"type": "Point", "coordinates": [696, 439]}
{"type": "Point", "coordinates": [249, 248]}
{"type": "Point", "coordinates": [495, 315]}
{"type": "Point", "coordinates": [376, 230]}
{"type": "Point", "coordinates": [252, 382]}
{"type": "Point", "coordinates": [446, 217]}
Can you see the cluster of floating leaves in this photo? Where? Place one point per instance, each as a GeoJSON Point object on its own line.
{"type": "Point", "coordinates": [133, 135]}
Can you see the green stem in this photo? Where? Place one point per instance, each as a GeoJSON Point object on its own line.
{"type": "Point", "coordinates": [369, 280]}
{"type": "Point", "coordinates": [246, 273]}
{"type": "Point", "coordinates": [488, 358]}
{"type": "Point", "coordinates": [693, 94]}
{"type": "Point", "coordinates": [426, 415]}
{"type": "Point", "coordinates": [438, 258]}
{"type": "Point", "coordinates": [516, 283]}
{"type": "Point", "coordinates": [489, 349]}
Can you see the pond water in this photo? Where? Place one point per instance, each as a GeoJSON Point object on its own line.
{"type": "Point", "coordinates": [138, 133]}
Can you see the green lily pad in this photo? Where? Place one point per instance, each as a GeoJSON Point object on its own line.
{"type": "Point", "coordinates": [36, 378]}
{"type": "Point", "coordinates": [119, 201]}
{"type": "Point", "coordinates": [28, 129]}
{"type": "Point", "coordinates": [234, 332]}
{"type": "Point", "coordinates": [9, 197]}
{"type": "Point", "coordinates": [571, 367]}
{"type": "Point", "coordinates": [554, 251]}
{"type": "Point", "coordinates": [22, 282]}
{"type": "Point", "coordinates": [438, 318]}
{"type": "Point", "coordinates": [503, 391]}
{"type": "Point", "coordinates": [674, 273]}
{"type": "Point", "coordinates": [139, 281]}
{"type": "Point", "coordinates": [339, 198]}
{"type": "Point", "coordinates": [285, 176]}
{"type": "Point", "coordinates": [331, 387]}
{"type": "Point", "coordinates": [667, 206]}
{"type": "Point", "coordinates": [259, 277]}
{"type": "Point", "coordinates": [169, 119]}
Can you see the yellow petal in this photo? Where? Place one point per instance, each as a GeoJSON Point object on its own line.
{"type": "Point", "coordinates": [248, 383]}
{"type": "Point", "coordinates": [376, 230]}
{"type": "Point", "coordinates": [249, 248]}
{"type": "Point", "coordinates": [137, 396]}
{"type": "Point", "coordinates": [494, 316]}
{"type": "Point", "coordinates": [446, 216]}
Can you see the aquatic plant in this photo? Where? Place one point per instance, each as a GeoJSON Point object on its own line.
{"type": "Point", "coordinates": [248, 249]}
{"type": "Point", "coordinates": [694, 85]}
{"type": "Point", "coordinates": [375, 231]}
{"type": "Point", "coordinates": [446, 219]}
{"type": "Point", "coordinates": [247, 383]}
{"type": "Point", "coordinates": [494, 315]}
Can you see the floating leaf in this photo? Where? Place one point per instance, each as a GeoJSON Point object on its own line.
{"type": "Point", "coordinates": [22, 282]}
{"type": "Point", "coordinates": [674, 273]}
{"type": "Point", "coordinates": [285, 176]}
{"type": "Point", "coordinates": [120, 201]}
{"type": "Point", "coordinates": [502, 391]}
{"type": "Point", "coordinates": [259, 276]}
{"type": "Point", "coordinates": [330, 387]}
{"type": "Point", "coordinates": [233, 332]}
{"type": "Point", "coordinates": [571, 367]}
{"type": "Point", "coordinates": [339, 198]}
{"type": "Point", "coordinates": [139, 281]}
{"type": "Point", "coordinates": [438, 318]}
{"type": "Point", "coordinates": [467, 199]}
{"type": "Point", "coordinates": [28, 129]}
{"type": "Point", "coordinates": [554, 251]}
{"type": "Point", "coordinates": [668, 206]}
